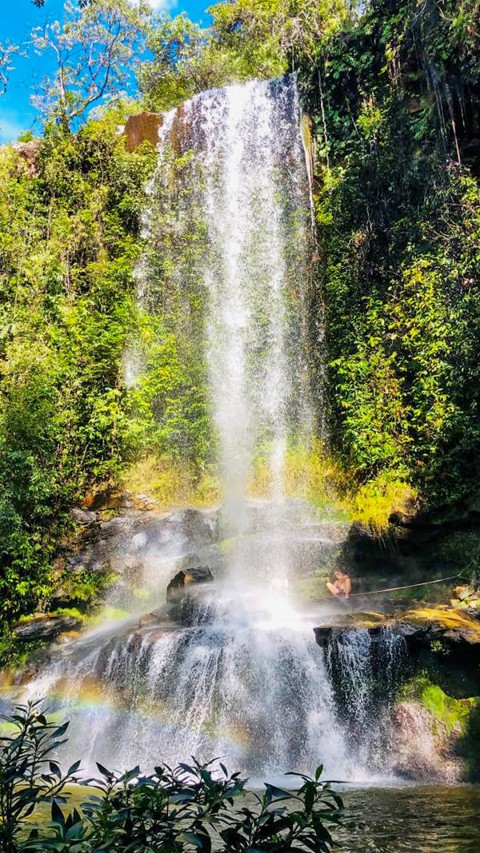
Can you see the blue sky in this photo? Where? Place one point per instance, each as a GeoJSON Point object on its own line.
{"type": "Point", "coordinates": [17, 19]}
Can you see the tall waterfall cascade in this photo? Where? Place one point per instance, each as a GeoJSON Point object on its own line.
{"type": "Point", "coordinates": [238, 674]}
{"type": "Point", "coordinates": [244, 204]}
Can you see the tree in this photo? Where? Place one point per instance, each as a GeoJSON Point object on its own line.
{"type": "Point", "coordinates": [264, 37]}
{"type": "Point", "coordinates": [95, 50]}
{"type": "Point", "coordinates": [248, 38]}
{"type": "Point", "coordinates": [185, 62]}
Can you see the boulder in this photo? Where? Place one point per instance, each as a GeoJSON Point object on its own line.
{"type": "Point", "coordinates": [185, 579]}
{"type": "Point", "coordinates": [424, 750]}
{"type": "Point", "coordinates": [83, 516]}
{"type": "Point", "coordinates": [148, 634]}
{"type": "Point", "coordinates": [45, 627]}
{"type": "Point", "coordinates": [117, 526]}
{"type": "Point", "coordinates": [155, 617]}
{"type": "Point", "coordinates": [441, 627]}
{"type": "Point", "coordinates": [29, 154]}
{"type": "Point", "coordinates": [199, 526]}
{"type": "Point", "coordinates": [440, 623]}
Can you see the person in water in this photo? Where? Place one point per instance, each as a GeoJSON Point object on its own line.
{"type": "Point", "coordinates": [341, 586]}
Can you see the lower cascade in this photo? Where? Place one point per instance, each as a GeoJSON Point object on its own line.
{"type": "Point", "coordinates": [366, 673]}
{"type": "Point", "coordinates": [231, 670]}
{"type": "Point", "coordinates": [232, 673]}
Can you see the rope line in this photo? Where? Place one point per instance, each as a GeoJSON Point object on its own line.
{"type": "Point", "coordinates": [408, 586]}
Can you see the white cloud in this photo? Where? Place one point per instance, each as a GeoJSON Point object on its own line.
{"type": "Point", "coordinates": [10, 129]}
{"type": "Point", "coordinates": [162, 4]}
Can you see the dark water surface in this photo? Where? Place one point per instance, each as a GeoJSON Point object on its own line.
{"type": "Point", "coordinates": [414, 819]}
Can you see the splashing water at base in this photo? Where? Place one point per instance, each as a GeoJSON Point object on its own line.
{"type": "Point", "coordinates": [241, 681]}
{"type": "Point", "coordinates": [367, 670]}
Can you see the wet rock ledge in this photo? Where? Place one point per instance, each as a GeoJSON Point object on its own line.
{"type": "Point", "coordinates": [441, 629]}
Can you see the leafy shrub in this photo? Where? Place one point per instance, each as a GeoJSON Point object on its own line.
{"type": "Point", "coordinates": [174, 811]}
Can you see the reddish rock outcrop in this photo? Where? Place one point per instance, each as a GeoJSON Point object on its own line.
{"type": "Point", "coordinates": [141, 127]}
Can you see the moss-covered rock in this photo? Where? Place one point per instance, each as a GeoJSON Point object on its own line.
{"type": "Point", "coordinates": [46, 626]}
{"type": "Point", "coordinates": [439, 629]}
{"type": "Point", "coordinates": [446, 621]}
{"type": "Point", "coordinates": [449, 713]}
{"type": "Point", "coordinates": [437, 736]}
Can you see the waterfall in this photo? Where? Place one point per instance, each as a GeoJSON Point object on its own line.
{"type": "Point", "coordinates": [367, 669]}
{"type": "Point", "coordinates": [240, 682]}
{"type": "Point", "coordinates": [236, 674]}
{"type": "Point", "coordinates": [244, 204]}
{"type": "Point", "coordinates": [255, 329]}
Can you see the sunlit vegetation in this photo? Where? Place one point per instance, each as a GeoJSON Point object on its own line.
{"type": "Point", "coordinates": [396, 112]}
{"type": "Point", "coordinates": [171, 483]}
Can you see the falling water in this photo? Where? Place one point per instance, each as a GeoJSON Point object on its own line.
{"type": "Point", "coordinates": [241, 681]}
{"type": "Point", "coordinates": [252, 214]}
{"type": "Point", "coordinates": [237, 674]}
{"type": "Point", "coordinates": [367, 669]}
{"type": "Point", "coordinates": [245, 206]}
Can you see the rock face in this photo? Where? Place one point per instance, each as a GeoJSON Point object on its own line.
{"type": "Point", "coordinates": [421, 628]}
{"type": "Point", "coordinates": [186, 578]}
{"type": "Point", "coordinates": [29, 154]}
{"type": "Point", "coordinates": [141, 127]}
{"type": "Point", "coordinates": [45, 627]}
{"type": "Point", "coordinates": [84, 517]}
{"type": "Point", "coordinates": [424, 749]}
{"type": "Point", "coordinates": [132, 540]}
{"type": "Point", "coordinates": [443, 624]}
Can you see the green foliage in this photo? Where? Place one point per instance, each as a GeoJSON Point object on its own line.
{"type": "Point", "coordinates": [68, 245]}
{"type": "Point", "coordinates": [395, 100]}
{"type": "Point", "coordinates": [172, 482]}
{"type": "Point", "coordinates": [173, 811]}
{"type": "Point", "coordinates": [29, 775]}
{"type": "Point", "coordinates": [450, 713]}
{"type": "Point", "coordinates": [267, 37]}
{"type": "Point", "coordinates": [169, 403]}
{"type": "Point", "coordinates": [168, 408]}
{"type": "Point", "coordinates": [247, 38]}
{"type": "Point", "coordinates": [183, 63]}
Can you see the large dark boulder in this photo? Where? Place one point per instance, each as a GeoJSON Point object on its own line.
{"type": "Point", "coordinates": [441, 630]}
{"type": "Point", "coordinates": [185, 579]}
